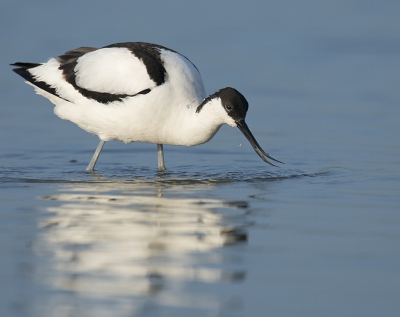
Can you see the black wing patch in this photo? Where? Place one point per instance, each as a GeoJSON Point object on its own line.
{"type": "Point", "coordinates": [149, 54]}
{"type": "Point", "coordinates": [68, 61]}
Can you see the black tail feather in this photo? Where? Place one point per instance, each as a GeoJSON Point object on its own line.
{"type": "Point", "coordinates": [25, 65]}
{"type": "Point", "coordinates": [24, 73]}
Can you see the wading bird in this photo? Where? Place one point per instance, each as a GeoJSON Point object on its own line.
{"type": "Point", "coordinates": [137, 92]}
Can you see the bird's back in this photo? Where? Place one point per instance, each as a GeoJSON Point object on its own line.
{"type": "Point", "coordinates": [126, 91]}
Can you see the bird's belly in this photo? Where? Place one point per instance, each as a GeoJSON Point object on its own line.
{"type": "Point", "coordinates": [138, 124]}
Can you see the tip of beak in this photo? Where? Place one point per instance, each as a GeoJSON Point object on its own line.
{"type": "Point", "coordinates": [270, 157]}
{"type": "Point", "coordinates": [263, 156]}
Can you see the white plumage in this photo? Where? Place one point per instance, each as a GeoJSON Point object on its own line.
{"type": "Point", "coordinates": [136, 92]}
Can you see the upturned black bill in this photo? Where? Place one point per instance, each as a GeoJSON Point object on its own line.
{"type": "Point", "coordinates": [241, 124]}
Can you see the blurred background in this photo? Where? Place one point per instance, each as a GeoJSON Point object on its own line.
{"type": "Point", "coordinates": [220, 233]}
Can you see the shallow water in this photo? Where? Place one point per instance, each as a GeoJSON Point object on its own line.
{"type": "Point", "coordinates": [220, 233]}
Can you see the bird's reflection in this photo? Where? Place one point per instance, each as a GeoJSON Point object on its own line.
{"type": "Point", "coordinates": [141, 240]}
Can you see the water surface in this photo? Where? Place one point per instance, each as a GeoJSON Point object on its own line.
{"type": "Point", "coordinates": [220, 233]}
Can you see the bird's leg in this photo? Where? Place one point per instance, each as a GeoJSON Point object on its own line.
{"type": "Point", "coordinates": [95, 156]}
{"type": "Point", "coordinates": [160, 153]}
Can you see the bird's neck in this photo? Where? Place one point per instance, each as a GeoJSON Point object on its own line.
{"type": "Point", "coordinates": [195, 128]}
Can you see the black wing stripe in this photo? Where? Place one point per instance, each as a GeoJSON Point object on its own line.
{"type": "Point", "coordinates": [150, 55]}
{"type": "Point", "coordinates": [68, 61]}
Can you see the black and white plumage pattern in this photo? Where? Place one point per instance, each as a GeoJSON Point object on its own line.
{"type": "Point", "coordinates": [148, 54]}
{"type": "Point", "coordinates": [136, 92]}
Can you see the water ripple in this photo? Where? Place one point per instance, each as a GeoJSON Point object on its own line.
{"type": "Point", "coordinates": [213, 176]}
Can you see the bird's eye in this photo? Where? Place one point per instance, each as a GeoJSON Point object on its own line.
{"type": "Point", "coordinates": [228, 107]}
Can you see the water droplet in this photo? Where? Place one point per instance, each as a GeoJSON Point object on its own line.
{"type": "Point", "coordinates": [189, 106]}
{"type": "Point", "coordinates": [240, 144]}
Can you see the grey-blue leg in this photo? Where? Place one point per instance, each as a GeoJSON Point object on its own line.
{"type": "Point", "coordinates": [160, 153]}
{"type": "Point", "coordinates": [95, 156]}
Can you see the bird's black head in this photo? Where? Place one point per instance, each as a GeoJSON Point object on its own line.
{"type": "Point", "coordinates": [234, 103]}
{"type": "Point", "coordinates": [236, 106]}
